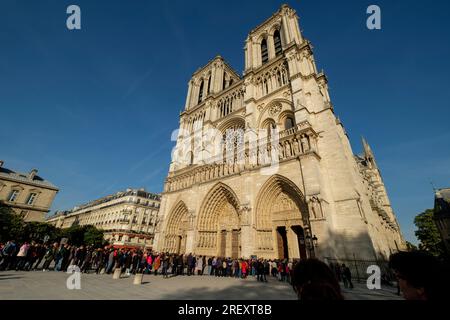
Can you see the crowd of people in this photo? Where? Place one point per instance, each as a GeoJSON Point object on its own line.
{"type": "Point", "coordinates": [342, 273]}
{"type": "Point", "coordinates": [55, 257]}
{"type": "Point", "coordinates": [420, 276]}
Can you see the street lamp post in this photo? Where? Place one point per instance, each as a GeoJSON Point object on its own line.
{"type": "Point", "coordinates": [311, 242]}
{"type": "Point", "coordinates": [314, 241]}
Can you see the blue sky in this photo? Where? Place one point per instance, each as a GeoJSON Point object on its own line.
{"type": "Point", "coordinates": [93, 109]}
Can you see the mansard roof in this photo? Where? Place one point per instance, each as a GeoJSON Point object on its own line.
{"type": "Point", "coordinates": [26, 178]}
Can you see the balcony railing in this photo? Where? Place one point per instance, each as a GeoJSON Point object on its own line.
{"type": "Point", "coordinates": [292, 142]}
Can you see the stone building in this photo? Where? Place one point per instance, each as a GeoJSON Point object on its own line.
{"type": "Point", "coordinates": [28, 194]}
{"type": "Point", "coordinates": [442, 215]}
{"type": "Point", "coordinates": [262, 166]}
{"type": "Point", "coordinates": [128, 218]}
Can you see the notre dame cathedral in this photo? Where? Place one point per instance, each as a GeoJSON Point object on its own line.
{"type": "Point", "coordinates": [290, 186]}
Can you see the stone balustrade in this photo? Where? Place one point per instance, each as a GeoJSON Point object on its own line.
{"type": "Point", "coordinates": [292, 143]}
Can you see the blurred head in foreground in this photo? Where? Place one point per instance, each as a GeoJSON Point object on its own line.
{"type": "Point", "coordinates": [314, 280]}
{"type": "Point", "coordinates": [420, 275]}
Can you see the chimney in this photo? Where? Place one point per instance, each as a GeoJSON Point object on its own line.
{"type": "Point", "coordinates": [32, 174]}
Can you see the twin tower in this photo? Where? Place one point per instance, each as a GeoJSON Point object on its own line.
{"type": "Point", "coordinates": [263, 167]}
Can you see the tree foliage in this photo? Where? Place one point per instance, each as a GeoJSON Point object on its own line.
{"type": "Point", "coordinates": [11, 224]}
{"type": "Point", "coordinates": [93, 236]}
{"type": "Point", "coordinates": [13, 227]}
{"type": "Point", "coordinates": [428, 233]}
{"type": "Point", "coordinates": [83, 235]}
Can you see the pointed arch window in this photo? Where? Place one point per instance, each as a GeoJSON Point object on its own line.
{"type": "Point", "coordinates": [264, 51]}
{"type": "Point", "coordinates": [277, 43]}
{"type": "Point", "coordinates": [288, 123]}
{"type": "Point", "coordinates": [224, 83]}
{"type": "Point", "coordinates": [209, 85]}
{"type": "Point", "coordinates": [200, 94]}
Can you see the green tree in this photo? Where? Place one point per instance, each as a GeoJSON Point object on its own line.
{"type": "Point", "coordinates": [83, 235]}
{"type": "Point", "coordinates": [74, 234]}
{"type": "Point", "coordinates": [37, 231]}
{"type": "Point", "coordinates": [428, 234]}
{"type": "Point", "coordinates": [11, 225]}
{"type": "Point", "coordinates": [93, 236]}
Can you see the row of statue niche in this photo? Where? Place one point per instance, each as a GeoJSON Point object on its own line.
{"type": "Point", "coordinates": [285, 150]}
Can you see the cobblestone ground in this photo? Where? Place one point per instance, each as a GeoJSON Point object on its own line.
{"type": "Point", "coordinates": [38, 285]}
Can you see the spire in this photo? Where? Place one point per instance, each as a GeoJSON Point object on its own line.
{"type": "Point", "coordinates": [368, 153]}
{"type": "Point", "coordinates": [367, 150]}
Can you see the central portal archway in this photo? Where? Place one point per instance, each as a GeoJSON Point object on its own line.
{"type": "Point", "coordinates": [281, 220]}
{"type": "Point", "coordinates": [219, 230]}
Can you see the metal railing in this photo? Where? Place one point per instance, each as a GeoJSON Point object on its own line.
{"type": "Point", "coordinates": [359, 268]}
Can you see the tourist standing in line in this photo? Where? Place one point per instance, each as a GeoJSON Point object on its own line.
{"type": "Point", "coordinates": [199, 266]}
{"type": "Point", "coordinates": [165, 266]}
{"type": "Point", "coordinates": [110, 262]}
{"type": "Point", "coordinates": [224, 267]}
{"type": "Point", "coordinates": [157, 264]}
{"type": "Point", "coordinates": [347, 276]}
{"type": "Point", "coordinates": [213, 266]}
{"type": "Point", "coordinates": [22, 255]}
{"type": "Point", "coordinates": [40, 253]}
{"type": "Point", "coordinates": [8, 252]}
{"type": "Point", "coordinates": [49, 256]}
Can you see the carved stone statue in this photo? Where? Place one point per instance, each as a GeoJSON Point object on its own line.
{"type": "Point", "coordinates": [305, 143]}
{"type": "Point", "coordinates": [288, 149]}
{"type": "Point", "coordinates": [296, 148]}
{"type": "Point", "coordinates": [306, 63]}
{"type": "Point", "coordinates": [316, 209]}
{"type": "Point", "coordinates": [324, 91]}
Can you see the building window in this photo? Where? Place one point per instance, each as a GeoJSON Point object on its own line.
{"type": "Point", "coordinates": [13, 196]}
{"type": "Point", "coordinates": [288, 123]}
{"type": "Point", "coordinates": [277, 43]}
{"type": "Point", "coordinates": [224, 82]}
{"type": "Point", "coordinates": [209, 84]}
{"type": "Point", "coordinates": [31, 198]}
{"type": "Point", "coordinates": [200, 93]}
{"type": "Point", "coordinates": [264, 51]}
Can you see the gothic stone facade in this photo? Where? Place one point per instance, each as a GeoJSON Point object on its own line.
{"type": "Point", "coordinates": [319, 188]}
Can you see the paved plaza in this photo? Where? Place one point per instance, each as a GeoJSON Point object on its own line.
{"type": "Point", "coordinates": [38, 285]}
